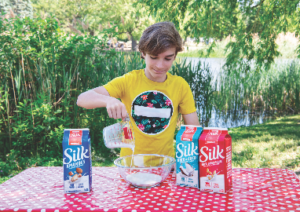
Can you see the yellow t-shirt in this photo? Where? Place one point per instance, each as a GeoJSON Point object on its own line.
{"type": "Point", "coordinates": [153, 109]}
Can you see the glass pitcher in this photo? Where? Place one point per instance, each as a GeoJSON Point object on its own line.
{"type": "Point", "coordinates": [119, 135]}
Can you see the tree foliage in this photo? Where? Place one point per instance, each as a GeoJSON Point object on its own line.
{"type": "Point", "coordinates": [95, 15]}
{"type": "Point", "coordinates": [129, 16]}
{"type": "Point", "coordinates": [72, 15]}
{"type": "Point", "coordinates": [21, 8]}
{"type": "Point", "coordinates": [253, 25]}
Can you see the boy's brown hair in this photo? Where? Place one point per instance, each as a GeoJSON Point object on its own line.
{"type": "Point", "coordinates": [158, 37]}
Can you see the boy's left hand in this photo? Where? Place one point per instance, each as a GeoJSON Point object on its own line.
{"type": "Point", "coordinates": [116, 109]}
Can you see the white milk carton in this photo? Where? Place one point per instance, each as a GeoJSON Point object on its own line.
{"type": "Point", "coordinates": [77, 161]}
{"type": "Point", "coordinates": [187, 156]}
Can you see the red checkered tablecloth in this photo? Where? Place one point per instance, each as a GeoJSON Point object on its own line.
{"type": "Point", "coordinates": [41, 189]}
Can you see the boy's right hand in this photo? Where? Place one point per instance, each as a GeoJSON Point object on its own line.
{"type": "Point", "coordinates": [116, 109]}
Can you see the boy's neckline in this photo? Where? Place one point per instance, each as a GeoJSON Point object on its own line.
{"type": "Point", "coordinates": [144, 75]}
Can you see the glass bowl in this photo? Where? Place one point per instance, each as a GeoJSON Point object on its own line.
{"type": "Point", "coordinates": [144, 170]}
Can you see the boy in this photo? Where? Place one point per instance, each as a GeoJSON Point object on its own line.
{"type": "Point", "coordinates": [151, 96]}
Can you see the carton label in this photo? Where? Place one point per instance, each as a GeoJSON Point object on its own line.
{"type": "Point", "coordinates": [127, 133]}
{"type": "Point", "coordinates": [75, 137]}
{"type": "Point", "coordinates": [187, 154]}
{"type": "Point", "coordinates": [213, 154]}
{"type": "Point", "coordinates": [212, 136]}
{"type": "Point", "coordinates": [188, 133]}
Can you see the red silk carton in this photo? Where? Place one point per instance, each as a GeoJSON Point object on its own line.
{"type": "Point", "coordinates": [215, 160]}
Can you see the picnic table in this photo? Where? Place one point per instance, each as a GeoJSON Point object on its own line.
{"type": "Point", "coordinates": [40, 189]}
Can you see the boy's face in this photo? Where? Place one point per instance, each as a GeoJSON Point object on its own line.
{"type": "Point", "coordinates": [157, 66]}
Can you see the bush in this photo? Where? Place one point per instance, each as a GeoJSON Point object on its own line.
{"type": "Point", "coordinates": [42, 71]}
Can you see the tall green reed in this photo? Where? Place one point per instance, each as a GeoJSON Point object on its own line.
{"type": "Point", "coordinates": [275, 90]}
{"type": "Point", "coordinates": [199, 78]}
{"type": "Point", "coordinates": [42, 73]}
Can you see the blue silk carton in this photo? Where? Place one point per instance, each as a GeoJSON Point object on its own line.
{"type": "Point", "coordinates": [77, 161]}
{"type": "Point", "coordinates": [187, 156]}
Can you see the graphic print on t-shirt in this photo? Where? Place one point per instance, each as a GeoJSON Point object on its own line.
{"type": "Point", "coordinates": [152, 112]}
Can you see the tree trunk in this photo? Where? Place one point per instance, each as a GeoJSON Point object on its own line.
{"type": "Point", "coordinates": [92, 32]}
{"type": "Point", "coordinates": [133, 44]}
{"type": "Point", "coordinates": [184, 41]}
{"type": "Point", "coordinates": [297, 98]}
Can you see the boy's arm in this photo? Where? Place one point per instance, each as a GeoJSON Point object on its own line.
{"type": "Point", "coordinates": [191, 119]}
{"type": "Point", "coordinates": [94, 98]}
{"type": "Point", "coordinates": [99, 97]}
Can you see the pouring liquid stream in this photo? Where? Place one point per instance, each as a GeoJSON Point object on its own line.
{"type": "Point", "coordinates": [127, 138]}
{"type": "Point", "coordinates": [120, 135]}
{"type": "Point", "coordinates": [139, 179]}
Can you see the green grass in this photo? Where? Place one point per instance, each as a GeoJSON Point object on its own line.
{"type": "Point", "coordinates": [286, 45]}
{"type": "Point", "coordinates": [201, 54]}
{"type": "Point", "coordinates": [3, 179]}
{"type": "Point", "coordinates": [275, 144]}
{"type": "Point", "coordinates": [218, 51]}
